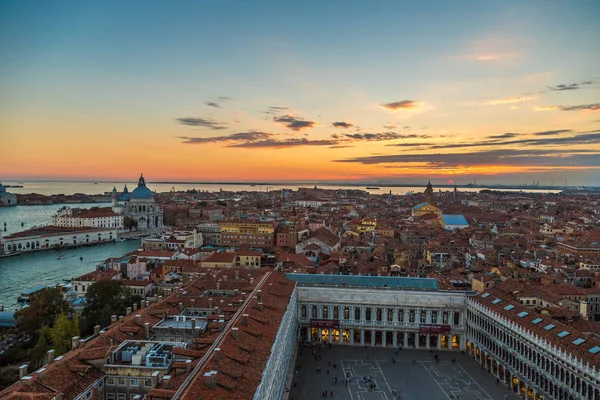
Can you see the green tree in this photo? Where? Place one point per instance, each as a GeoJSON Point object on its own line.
{"type": "Point", "coordinates": [39, 351]}
{"type": "Point", "coordinates": [104, 298]}
{"type": "Point", "coordinates": [42, 311]}
{"type": "Point", "coordinates": [61, 334]}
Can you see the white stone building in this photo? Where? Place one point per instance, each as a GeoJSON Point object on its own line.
{"type": "Point", "coordinates": [49, 237]}
{"type": "Point", "coordinates": [93, 218]}
{"type": "Point", "coordinates": [7, 199]}
{"type": "Point", "coordinates": [141, 207]}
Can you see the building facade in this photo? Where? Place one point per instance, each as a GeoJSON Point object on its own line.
{"type": "Point", "coordinates": [7, 199]}
{"type": "Point", "coordinates": [50, 237]}
{"type": "Point", "coordinates": [140, 207]}
{"type": "Point", "coordinates": [100, 218]}
{"type": "Point", "coordinates": [247, 232]}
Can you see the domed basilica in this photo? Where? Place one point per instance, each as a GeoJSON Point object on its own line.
{"type": "Point", "coordinates": [140, 206]}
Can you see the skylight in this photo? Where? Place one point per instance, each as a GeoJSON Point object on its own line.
{"type": "Point", "coordinates": [537, 321]}
{"type": "Point", "coordinates": [509, 307]}
{"type": "Point", "coordinates": [485, 295]}
{"type": "Point", "coordinates": [523, 314]}
{"type": "Point", "coordinates": [595, 349]}
{"type": "Point", "coordinates": [578, 341]}
{"type": "Point", "coordinates": [564, 333]}
{"type": "Point", "coordinates": [549, 327]}
{"type": "Point", "coordinates": [496, 301]}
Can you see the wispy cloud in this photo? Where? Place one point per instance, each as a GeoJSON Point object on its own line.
{"type": "Point", "coordinates": [488, 56]}
{"type": "Point", "coordinates": [528, 157]}
{"type": "Point", "coordinates": [344, 125]}
{"type": "Point", "coordinates": [546, 108]}
{"type": "Point", "coordinates": [293, 142]}
{"type": "Point", "coordinates": [294, 123]}
{"type": "Point", "coordinates": [552, 133]}
{"type": "Point", "coordinates": [569, 86]}
{"type": "Point", "coordinates": [234, 137]}
{"type": "Point", "coordinates": [504, 100]}
{"type": "Point", "coordinates": [403, 105]}
{"type": "Point", "coordinates": [583, 107]}
{"type": "Point", "coordinates": [212, 104]}
{"type": "Point", "coordinates": [507, 135]}
{"type": "Point", "coordinates": [202, 122]}
{"type": "Point", "coordinates": [379, 136]}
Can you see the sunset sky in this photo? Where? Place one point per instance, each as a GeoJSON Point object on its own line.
{"type": "Point", "coordinates": [372, 91]}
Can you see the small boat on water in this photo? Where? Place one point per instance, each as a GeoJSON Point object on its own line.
{"type": "Point", "coordinates": [61, 257]}
{"type": "Point", "coordinates": [373, 188]}
{"type": "Point", "coordinates": [16, 253]}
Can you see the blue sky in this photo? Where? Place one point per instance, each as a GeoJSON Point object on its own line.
{"type": "Point", "coordinates": [82, 78]}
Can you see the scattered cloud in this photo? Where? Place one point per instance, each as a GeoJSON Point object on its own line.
{"type": "Point", "coordinates": [402, 105]}
{"type": "Point", "coordinates": [344, 125]}
{"type": "Point", "coordinates": [504, 136]}
{"type": "Point", "coordinates": [546, 108]}
{"type": "Point", "coordinates": [528, 157]}
{"type": "Point", "coordinates": [224, 98]}
{"type": "Point", "coordinates": [234, 137]}
{"type": "Point", "coordinates": [381, 136]}
{"type": "Point", "coordinates": [212, 104]}
{"type": "Point", "coordinates": [584, 107]}
{"type": "Point", "coordinates": [389, 126]}
{"type": "Point", "coordinates": [202, 122]}
{"type": "Point", "coordinates": [569, 86]}
{"type": "Point", "coordinates": [293, 123]}
{"type": "Point", "coordinates": [293, 142]}
{"type": "Point", "coordinates": [551, 133]}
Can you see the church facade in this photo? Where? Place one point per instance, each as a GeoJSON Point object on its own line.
{"type": "Point", "coordinates": [140, 206]}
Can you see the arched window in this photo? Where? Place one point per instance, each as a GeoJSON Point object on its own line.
{"type": "Point", "coordinates": [314, 311]}
{"type": "Point", "coordinates": [325, 312]}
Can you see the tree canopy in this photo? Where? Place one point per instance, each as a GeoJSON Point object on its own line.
{"type": "Point", "coordinates": [104, 298]}
{"type": "Point", "coordinates": [42, 311]}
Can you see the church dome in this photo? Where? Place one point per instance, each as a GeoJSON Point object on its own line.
{"type": "Point", "coordinates": [142, 192]}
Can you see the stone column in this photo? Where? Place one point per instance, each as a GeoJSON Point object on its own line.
{"type": "Point", "coordinates": [372, 335]}
{"type": "Point", "coordinates": [428, 317]}
{"type": "Point", "coordinates": [308, 334]}
{"type": "Point", "coordinates": [428, 339]}
{"type": "Point", "coordinates": [395, 339]}
{"type": "Point", "coordinates": [362, 337]}
{"type": "Point", "coordinates": [417, 336]}
{"type": "Point", "coordinates": [405, 333]}
{"type": "Point", "coordinates": [329, 335]}
{"type": "Point", "coordinates": [418, 317]}
{"type": "Point", "coordinates": [405, 315]}
{"type": "Point", "coordinates": [450, 317]}
{"type": "Point", "coordinates": [439, 341]}
{"type": "Point", "coordinates": [351, 336]}
{"type": "Point", "coordinates": [383, 338]}
{"type": "Point", "coordinates": [463, 342]}
{"type": "Point", "coordinates": [438, 319]}
{"type": "Point", "coordinates": [383, 314]}
{"type": "Point", "coordinates": [450, 342]}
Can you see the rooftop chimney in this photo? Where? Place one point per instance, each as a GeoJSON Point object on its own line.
{"type": "Point", "coordinates": [251, 281]}
{"type": "Point", "coordinates": [235, 332]}
{"type": "Point", "coordinates": [74, 342]}
{"type": "Point", "coordinates": [81, 343]}
{"type": "Point", "coordinates": [237, 274]}
{"type": "Point", "coordinates": [193, 323]}
{"type": "Point", "coordinates": [210, 379]}
{"type": "Point", "coordinates": [113, 319]}
{"type": "Point", "coordinates": [218, 285]}
{"type": "Point", "coordinates": [138, 319]}
{"type": "Point", "coordinates": [188, 365]}
{"type": "Point", "coordinates": [22, 371]}
{"type": "Point", "coordinates": [147, 303]}
{"type": "Point", "coordinates": [245, 319]}
{"type": "Point", "coordinates": [259, 306]}
{"type": "Point", "coordinates": [97, 330]}
{"type": "Point", "coordinates": [120, 318]}
{"type": "Point", "coordinates": [147, 330]}
{"type": "Point", "coordinates": [167, 381]}
{"type": "Point", "coordinates": [193, 301]}
{"type": "Point", "coordinates": [210, 303]}
{"type": "Point", "coordinates": [180, 307]}
{"type": "Point", "coordinates": [128, 311]}
{"type": "Point", "coordinates": [135, 306]}
{"type": "Point", "coordinates": [217, 354]}
{"type": "Point", "coordinates": [259, 294]}
{"type": "Point", "coordinates": [50, 356]}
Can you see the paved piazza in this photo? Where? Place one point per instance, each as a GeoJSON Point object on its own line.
{"type": "Point", "coordinates": [415, 375]}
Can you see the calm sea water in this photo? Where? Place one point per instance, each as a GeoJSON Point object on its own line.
{"type": "Point", "coordinates": [48, 188]}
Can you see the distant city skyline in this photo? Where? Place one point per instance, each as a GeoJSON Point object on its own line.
{"type": "Point", "coordinates": [379, 92]}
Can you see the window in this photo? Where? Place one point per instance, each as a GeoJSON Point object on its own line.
{"type": "Point", "coordinates": [434, 315]}
{"type": "Point", "coordinates": [411, 316]}
{"type": "Point", "coordinates": [111, 381]}
{"type": "Point", "coordinates": [577, 342]}
{"type": "Point", "coordinates": [110, 396]}
{"type": "Point", "coordinates": [485, 295]}
{"type": "Point", "coordinates": [357, 313]}
{"type": "Point", "coordinates": [496, 301]}
{"type": "Point", "coordinates": [523, 314]}
{"type": "Point", "coordinates": [595, 349]}
{"type": "Point", "coordinates": [509, 307]}
{"type": "Point", "coordinates": [564, 334]}
{"type": "Point", "coordinates": [537, 321]}
{"type": "Point", "coordinates": [378, 314]}
{"type": "Point", "coordinates": [549, 327]}
{"type": "Point", "coordinates": [346, 313]}
{"type": "Point", "coordinates": [121, 381]}
{"type": "Point", "coordinates": [325, 312]}
{"type": "Point", "coordinates": [314, 312]}
{"type": "Point", "coordinates": [336, 312]}
{"type": "Point", "coordinates": [368, 313]}
{"type": "Point", "coordinates": [445, 317]}
{"type": "Point", "coordinates": [423, 317]}
{"type": "Point", "coordinates": [134, 382]}
{"type": "Point", "coordinates": [122, 396]}
{"type": "Point", "coordinates": [456, 318]}
{"type": "Point", "coordinates": [148, 383]}
{"type": "Point", "coordinates": [303, 311]}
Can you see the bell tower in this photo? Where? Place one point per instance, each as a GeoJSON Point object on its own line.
{"type": "Point", "coordinates": [429, 193]}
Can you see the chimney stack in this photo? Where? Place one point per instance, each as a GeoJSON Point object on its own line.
{"type": "Point", "coordinates": [259, 306]}
{"type": "Point", "coordinates": [74, 342]}
{"type": "Point", "coordinates": [210, 303]}
{"type": "Point", "coordinates": [128, 311]}
{"type": "Point", "coordinates": [237, 274]}
{"type": "Point", "coordinates": [167, 381]}
{"type": "Point", "coordinates": [81, 343]}
{"type": "Point", "coordinates": [138, 319]}
{"type": "Point", "coordinates": [135, 306]}
{"type": "Point", "coordinates": [22, 371]}
{"type": "Point", "coordinates": [120, 318]}
{"type": "Point", "coordinates": [217, 354]}
{"type": "Point", "coordinates": [193, 323]}
{"type": "Point", "coordinates": [113, 319]}
{"type": "Point", "coordinates": [147, 330]}
{"type": "Point", "coordinates": [210, 379]}
{"type": "Point", "coordinates": [180, 307]}
{"type": "Point", "coordinates": [259, 294]}
{"type": "Point", "coordinates": [245, 319]}
{"type": "Point", "coordinates": [251, 281]}
{"type": "Point", "coordinates": [97, 330]}
{"type": "Point", "coordinates": [235, 332]}
{"type": "Point", "coordinates": [147, 303]}
{"type": "Point", "coordinates": [50, 356]}
{"type": "Point", "coordinates": [193, 301]}
{"type": "Point", "coordinates": [188, 365]}
{"type": "Point", "coordinates": [218, 285]}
